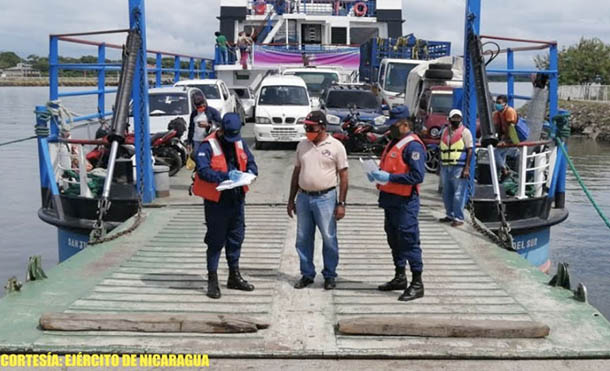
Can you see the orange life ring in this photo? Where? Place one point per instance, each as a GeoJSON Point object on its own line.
{"type": "Point", "coordinates": [260, 8]}
{"type": "Point", "coordinates": [360, 9]}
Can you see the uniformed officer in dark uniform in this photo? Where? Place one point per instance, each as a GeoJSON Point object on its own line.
{"type": "Point", "coordinates": [401, 171]}
{"type": "Point", "coordinates": [221, 156]}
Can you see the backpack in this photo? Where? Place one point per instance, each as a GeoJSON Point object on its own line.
{"type": "Point", "coordinates": [523, 131]}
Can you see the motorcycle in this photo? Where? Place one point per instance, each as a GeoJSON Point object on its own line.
{"type": "Point", "coordinates": [166, 147]}
{"type": "Point", "coordinates": [358, 136]}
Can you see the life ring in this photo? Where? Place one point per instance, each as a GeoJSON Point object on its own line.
{"type": "Point", "coordinates": [360, 9]}
{"type": "Point", "coordinates": [260, 8]}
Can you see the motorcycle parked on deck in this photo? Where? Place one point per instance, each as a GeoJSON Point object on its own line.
{"type": "Point", "coordinates": [166, 147]}
{"type": "Point", "coordinates": [363, 137]}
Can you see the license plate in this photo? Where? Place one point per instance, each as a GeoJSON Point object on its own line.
{"type": "Point", "coordinates": [284, 139]}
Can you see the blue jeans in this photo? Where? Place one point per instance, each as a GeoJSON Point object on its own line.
{"type": "Point", "coordinates": [455, 189]}
{"type": "Point", "coordinates": [317, 211]}
{"type": "Point", "coordinates": [401, 226]}
{"type": "Point", "coordinates": [501, 154]}
{"type": "Point", "coordinates": [224, 55]}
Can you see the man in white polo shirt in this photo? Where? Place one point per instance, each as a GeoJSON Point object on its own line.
{"type": "Point", "coordinates": [320, 161]}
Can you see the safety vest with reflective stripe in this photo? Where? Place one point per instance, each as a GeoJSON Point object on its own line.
{"type": "Point", "coordinates": [453, 150]}
{"type": "Point", "coordinates": [218, 162]}
{"type": "Point", "coordinates": [393, 163]}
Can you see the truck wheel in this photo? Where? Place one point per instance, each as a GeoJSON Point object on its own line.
{"type": "Point", "coordinates": [440, 66]}
{"type": "Point", "coordinates": [439, 74]}
{"type": "Point", "coordinates": [432, 159]}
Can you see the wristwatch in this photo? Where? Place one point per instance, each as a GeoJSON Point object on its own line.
{"type": "Point", "coordinates": [341, 203]}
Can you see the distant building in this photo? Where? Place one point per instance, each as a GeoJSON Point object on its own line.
{"type": "Point", "coordinates": [21, 70]}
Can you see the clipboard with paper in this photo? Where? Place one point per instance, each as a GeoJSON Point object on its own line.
{"type": "Point", "coordinates": [369, 165]}
{"type": "Point", "coordinates": [244, 180]}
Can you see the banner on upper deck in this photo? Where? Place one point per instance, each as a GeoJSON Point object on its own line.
{"type": "Point", "coordinates": [274, 56]}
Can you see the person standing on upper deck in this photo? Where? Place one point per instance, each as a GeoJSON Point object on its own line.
{"type": "Point", "coordinates": [244, 43]}
{"type": "Point", "coordinates": [320, 160]}
{"type": "Point", "coordinates": [224, 155]}
{"type": "Point", "coordinates": [456, 152]}
{"type": "Point", "coordinates": [221, 42]}
{"type": "Point", "coordinates": [402, 169]}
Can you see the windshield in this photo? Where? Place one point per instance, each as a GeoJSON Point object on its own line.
{"type": "Point", "coordinates": [242, 93]}
{"type": "Point", "coordinates": [441, 103]}
{"type": "Point", "coordinates": [283, 96]}
{"type": "Point", "coordinates": [162, 104]}
{"type": "Point", "coordinates": [316, 81]}
{"type": "Point", "coordinates": [343, 99]}
{"type": "Point", "coordinates": [209, 90]}
{"type": "Point", "coordinates": [396, 78]}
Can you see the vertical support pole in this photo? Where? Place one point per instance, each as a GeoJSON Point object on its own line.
{"type": "Point", "coordinates": [286, 32]}
{"type": "Point", "coordinates": [101, 80]}
{"type": "Point", "coordinates": [510, 65]}
{"type": "Point", "coordinates": [469, 103]}
{"type": "Point", "coordinates": [47, 174]}
{"type": "Point", "coordinates": [53, 77]}
{"type": "Point", "coordinates": [561, 164]}
{"type": "Point", "coordinates": [159, 72]}
{"type": "Point", "coordinates": [176, 68]}
{"type": "Point", "coordinates": [374, 62]}
{"type": "Point", "coordinates": [522, 171]}
{"type": "Point", "coordinates": [145, 180]}
{"type": "Point", "coordinates": [192, 68]}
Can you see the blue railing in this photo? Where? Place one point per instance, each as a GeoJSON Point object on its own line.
{"type": "Point", "coordinates": [198, 67]}
{"type": "Point", "coordinates": [314, 7]}
{"type": "Point", "coordinates": [407, 47]}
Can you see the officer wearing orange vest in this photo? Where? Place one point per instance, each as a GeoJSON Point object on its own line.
{"type": "Point", "coordinates": [401, 171]}
{"type": "Point", "coordinates": [224, 155]}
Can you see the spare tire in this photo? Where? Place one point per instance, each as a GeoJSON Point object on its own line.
{"type": "Point", "coordinates": [440, 66]}
{"type": "Point", "coordinates": [439, 74]}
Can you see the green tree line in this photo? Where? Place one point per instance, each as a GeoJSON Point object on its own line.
{"type": "Point", "coordinates": [583, 63]}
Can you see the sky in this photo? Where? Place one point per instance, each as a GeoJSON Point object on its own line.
{"type": "Point", "coordinates": [187, 27]}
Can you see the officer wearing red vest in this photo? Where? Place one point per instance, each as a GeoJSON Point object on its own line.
{"type": "Point", "coordinates": [224, 155]}
{"type": "Point", "coordinates": [401, 171]}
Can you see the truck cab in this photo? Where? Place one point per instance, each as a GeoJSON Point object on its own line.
{"type": "Point", "coordinates": [392, 80]}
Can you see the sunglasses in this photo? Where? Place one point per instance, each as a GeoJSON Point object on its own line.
{"type": "Point", "coordinates": [310, 129]}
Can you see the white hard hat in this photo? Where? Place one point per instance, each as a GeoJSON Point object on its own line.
{"type": "Point", "coordinates": [454, 112]}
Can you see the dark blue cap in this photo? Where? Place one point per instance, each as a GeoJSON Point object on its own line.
{"type": "Point", "coordinates": [398, 113]}
{"type": "Point", "coordinates": [231, 126]}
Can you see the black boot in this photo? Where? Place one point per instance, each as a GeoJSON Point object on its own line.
{"type": "Point", "coordinates": [213, 289]}
{"type": "Point", "coordinates": [399, 282]}
{"type": "Point", "coordinates": [415, 290]}
{"type": "Point", "coordinates": [236, 282]}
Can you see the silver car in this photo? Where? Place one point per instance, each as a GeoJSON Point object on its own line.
{"type": "Point", "coordinates": [246, 98]}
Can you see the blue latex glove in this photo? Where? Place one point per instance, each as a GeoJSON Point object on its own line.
{"type": "Point", "coordinates": [370, 177]}
{"type": "Point", "coordinates": [234, 175]}
{"type": "Point", "coordinates": [381, 176]}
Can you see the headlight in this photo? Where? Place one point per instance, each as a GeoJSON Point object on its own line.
{"type": "Point", "coordinates": [380, 120]}
{"type": "Point", "coordinates": [263, 120]}
{"type": "Point", "coordinates": [332, 119]}
{"type": "Point", "coordinates": [301, 121]}
{"type": "Point", "coordinates": [435, 132]}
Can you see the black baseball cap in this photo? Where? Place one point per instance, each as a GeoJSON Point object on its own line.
{"type": "Point", "coordinates": [316, 118]}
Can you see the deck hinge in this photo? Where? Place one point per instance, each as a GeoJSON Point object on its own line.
{"type": "Point", "coordinates": [562, 277]}
{"type": "Point", "coordinates": [580, 293]}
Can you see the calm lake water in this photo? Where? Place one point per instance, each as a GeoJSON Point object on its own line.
{"type": "Point", "coordinates": [581, 241]}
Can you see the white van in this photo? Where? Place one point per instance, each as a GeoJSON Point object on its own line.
{"type": "Point", "coordinates": [282, 103]}
{"type": "Point", "coordinates": [392, 80]}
